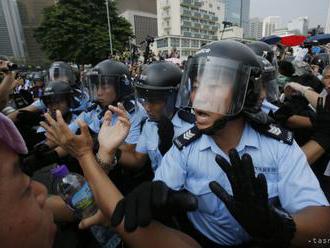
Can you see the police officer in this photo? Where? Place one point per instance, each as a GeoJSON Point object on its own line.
{"type": "Point", "coordinates": [156, 89]}
{"type": "Point", "coordinates": [62, 71]}
{"type": "Point", "coordinates": [108, 84]}
{"type": "Point", "coordinates": [269, 65]}
{"type": "Point", "coordinates": [57, 71]}
{"type": "Point", "coordinates": [58, 95]}
{"type": "Point", "coordinates": [225, 84]}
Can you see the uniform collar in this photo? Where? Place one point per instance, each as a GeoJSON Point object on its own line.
{"type": "Point", "coordinates": [250, 138]}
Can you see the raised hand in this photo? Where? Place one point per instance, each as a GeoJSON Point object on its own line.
{"type": "Point", "coordinates": [112, 136]}
{"type": "Point", "coordinates": [249, 202]}
{"type": "Point", "coordinates": [59, 133]}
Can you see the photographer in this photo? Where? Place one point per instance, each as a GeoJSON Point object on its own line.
{"type": "Point", "coordinates": [7, 84]}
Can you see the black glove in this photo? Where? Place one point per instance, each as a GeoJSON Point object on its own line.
{"type": "Point", "coordinates": [37, 160]}
{"type": "Point", "coordinates": [165, 133]}
{"type": "Point", "coordinates": [290, 108]}
{"type": "Point", "coordinates": [321, 124]}
{"type": "Point", "coordinates": [139, 206]}
{"type": "Point", "coordinates": [268, 226]}
{"type": "Point", "coordinates": [29, 118]}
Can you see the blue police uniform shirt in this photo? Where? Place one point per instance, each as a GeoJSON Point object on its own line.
{"type": "Point", "coordinates": [289, 177]}
{"type": "Point", "coordinates": [180, 126]}
{"type": "Point", "coordinates": [267, 107]}
{"type": "Point", "coordinates": [38, 104]}
{"type": "Point", "coordinates": [94, 120]}
{"type": "Point", "coordinates": [73, 119]}
{"type": "Point", "coordinates": [149, 139]}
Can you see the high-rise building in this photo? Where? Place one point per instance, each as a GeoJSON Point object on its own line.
{"type": "Point", "coordinates": [187, 24]}
{"type": "Point", "coordinates": [142, 14]}
{"type": "Point", "coordinates": [299, 25]}
{"type": "Point", "coordinates": [327, 26]}
{"type": "Point", "coordinates": [254, 29]}
{"type": "Point", "coordinates": [270, 24]}
{"type": "Point", "coordinates": [238, 13]}
{"type": "Point", "coordinates": [11, 34]}
{"type": "Point", "coordinates": [31, 16]}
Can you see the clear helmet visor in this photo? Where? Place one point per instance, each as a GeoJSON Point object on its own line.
{"type": "Point", "coordinates": [157, 102]}
{"type": "Point", "coordinates": [215, 85]}
{"type": "Point", "coordinates": [61, 74]}
{"type": "Point", "coordinates": [98, 84]}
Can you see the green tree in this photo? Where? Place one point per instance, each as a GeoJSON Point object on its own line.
{"type": "Point", "coordinates": [77, 30]}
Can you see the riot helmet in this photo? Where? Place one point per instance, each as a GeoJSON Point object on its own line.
{"type": "Point", "coordinates": [158, 86]}
{"type": "Point", "coordinates": [61, 71]}
{"type": "Point", "coordinates": [58, 95]}
{"type": "Point", "coordinates": [109, 82]}
{"type": "Point", "coordinates": [222, 78]}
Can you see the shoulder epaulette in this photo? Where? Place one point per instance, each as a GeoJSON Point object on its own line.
{"type": "Point", "coordinates": [187, 116]}
{"type": "Point", "coordinates": [187, 137]}
{"type": "Point", "coordinates": [129, 106]}
{"type": "Point", "coordinates": [276, 132]}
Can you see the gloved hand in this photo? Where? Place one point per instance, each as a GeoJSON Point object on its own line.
{"type": "Point", "coordinates": [29, 118]}
{"type": "Point", "coordinates": [165, 133]}
{"type": "Point", "coordinates": [321, 124]}
{"type": "Point", "coordinates": [267, 225]}
{"type": "Point", "coordinates": [139, 206]}
{"type": "Point", "coordinates": [37, 160]}
{"type": "Point", "coordinates": [294, 106]}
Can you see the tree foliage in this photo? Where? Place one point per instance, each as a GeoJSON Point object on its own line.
{"type": "Point", "coordinates": [77, 30]}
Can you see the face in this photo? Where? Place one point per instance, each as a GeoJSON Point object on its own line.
{"type": "Point", "coordinates": [154, 109]}
{"type": "Point", "coordinates": [25, 219]}
{"type": "Point", "coordinates": [326, 81]}
{"type": "Point", "coordinates": [212, 97]}
{"type": "Point", "coordinates": [206, 119]}
{"type": "Point", "coordinates": [62, 106]}
{"type": "Point", "coordinates": [106, 95]}
{"type": "Point", "coordinates": [207, 98]}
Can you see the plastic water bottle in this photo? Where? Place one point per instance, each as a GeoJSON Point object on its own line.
{"type": "Point", "coordinates": [75, 191]}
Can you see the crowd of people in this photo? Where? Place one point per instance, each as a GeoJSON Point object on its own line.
{"type": "Point", "coordinates": [228, 149]}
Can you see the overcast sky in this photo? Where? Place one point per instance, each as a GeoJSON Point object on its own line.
{"type": "Point", "coordinates": [316, 10]}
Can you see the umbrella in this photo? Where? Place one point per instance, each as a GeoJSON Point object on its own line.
{"type": "Point", "coordinates": [174, 60]}
{"type": "Point", "coordinates": [271, 40]}
{"type": "Point", "coordinates": [293, 40]}
{"type": "Point", "coordinates": [321, 38]}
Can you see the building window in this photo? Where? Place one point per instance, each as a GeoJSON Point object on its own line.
{"type": "Point", "coordinates": [162, 43]}
{"type": "Point", "coordinates": [175, 42]}
{"type": "Point", "coordinates": [195, 43]}
{"type": "Point", "coordinates": [185, 43]}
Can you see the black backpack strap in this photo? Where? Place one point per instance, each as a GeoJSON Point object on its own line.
{"type": "Point", "coordinates": [129, 106]}
{"type": "Point", "coordinates": [187, 116]}
{"type": "Point", "coordinates": [187, 137]}
{"type": "Point", "coordinates": [275, 131]}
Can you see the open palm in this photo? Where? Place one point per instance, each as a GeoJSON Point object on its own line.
{"type": "Point", "coordinates": [112, 136]}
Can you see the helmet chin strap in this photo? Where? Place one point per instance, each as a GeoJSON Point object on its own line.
{"type": "Point", "coordinates": [218, 125]}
